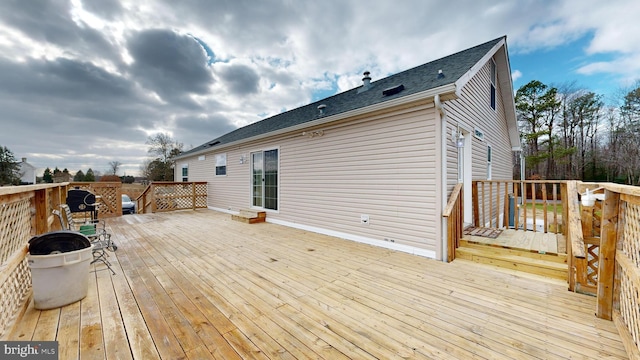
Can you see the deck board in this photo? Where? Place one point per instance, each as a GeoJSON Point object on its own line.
{"type": "Point", "coordinates": [196, 285]}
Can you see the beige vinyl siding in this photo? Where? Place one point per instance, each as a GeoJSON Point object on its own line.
{"type": "Point", "coordinates": [383, 166]}
{"type": "Point", "coordinates": [473, 109]}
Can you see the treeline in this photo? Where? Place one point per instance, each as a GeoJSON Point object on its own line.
{"type": "Point", "coordinates": [58, 176]}
{"type": "Point", "coordinates": [570, 133]}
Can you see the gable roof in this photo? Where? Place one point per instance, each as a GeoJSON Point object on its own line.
{"type": "Point", "coordinates": [456, 70]}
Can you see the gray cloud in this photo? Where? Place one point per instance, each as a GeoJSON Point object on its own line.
{"type": "Point", "coordinates": [240, 79]}
{"type": "Point", "coordinates": [50, 21]}
{"type": "Point", "coordinates": [79, 91]}
{"type": "Point", "coordinates": [169, 63]}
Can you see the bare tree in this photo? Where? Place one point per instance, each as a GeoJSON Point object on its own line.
{"type": "Point", "coordinates": [164, 148]}
{"type": "Point", "coordinates": [114, 166]}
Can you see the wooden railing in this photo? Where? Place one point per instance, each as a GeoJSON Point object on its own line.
{"type": "Point", "coordinates": [108, 195]}
{"type": "Point", "coordinates": [493, 201]}
{"type": "Point", "coordinates": [170, 196]}
{"type": "Point", "coordinates": [618, 286]}
{"type": "Point", "coordinates": [454, 213]}
{"type": "Point", "coordinates": [25, 211]}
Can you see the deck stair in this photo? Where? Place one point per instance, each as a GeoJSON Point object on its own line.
{"type": "Point", "coordinates": [250, 216]}
{"type": "Point", "coordinates": [551, 265]}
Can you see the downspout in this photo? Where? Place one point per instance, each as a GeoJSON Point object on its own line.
{"type": "Point", "coordinates": [443, 174]}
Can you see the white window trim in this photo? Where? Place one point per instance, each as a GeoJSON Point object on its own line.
{"type": "Point", "coordinates": [221, 160]}
{"type": "Point", "coordinates": [279, 186]}
{"type": "Point", "coordinates": [489, 161]}
{"type": "Point", "coordinates": [182, 176]}
{"type": "Point", "coordinates": [494, 80]}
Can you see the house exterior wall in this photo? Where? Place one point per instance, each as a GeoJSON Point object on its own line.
{"type": "Point", "coordinates": [27, 173]}
{"type": "Point", "coordinates": [381, 165]}
{"type": "Point", "coordinates": [473, 110]}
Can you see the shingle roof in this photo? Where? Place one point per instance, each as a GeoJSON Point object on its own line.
{"type": "Point", "coordinates": [415, 80]}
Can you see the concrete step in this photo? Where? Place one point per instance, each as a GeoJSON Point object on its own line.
{"type": "Point", "coordinates": [249, 216]}
{"type": "Point", "coordinates": [549, 265]}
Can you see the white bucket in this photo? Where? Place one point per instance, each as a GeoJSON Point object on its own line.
{"type": "Point", "coordinates": [60, 279]}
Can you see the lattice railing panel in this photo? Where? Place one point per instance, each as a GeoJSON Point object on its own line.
{"type": "Point", "coordinates": [15, 225]}
{"type": "Point", "coordinates": [16, 213]}
{"type": "Point", "coordinates": [629, 304]}
{"type": "Point", "coordinates": [631, 232]}
{"type": "Point", "coordinates": [177, 196]}
{"type": "Point", "coordinates": [592, 264]}
{"type": "Point", "coordinates": [110, 196]}
{"type": "Point", "coordinates": [13, 292]}
{"type": "Point", "coordinates": [629, 293]}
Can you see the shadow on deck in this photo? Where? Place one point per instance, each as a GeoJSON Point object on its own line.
{"type": "Point", "coordinates": [196, 285]}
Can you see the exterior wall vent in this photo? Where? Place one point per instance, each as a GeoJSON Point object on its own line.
{"type": "Point", "coordinates": [393, 90]}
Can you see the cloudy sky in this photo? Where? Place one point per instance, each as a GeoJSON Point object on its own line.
{"type": "Point", "coordinates": [86, 82]}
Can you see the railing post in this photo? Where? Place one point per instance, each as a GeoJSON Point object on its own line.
{"type": "Point", "coordinates": [41, 218]}
{"type": "Point", "coordinates": [193, 195]}
{"type": "Point", "coordinates": [607, 255]}
{"type": "Point", "coordinates": [474, 196]}
{"type": "Point", "coordinates": [153, 198]}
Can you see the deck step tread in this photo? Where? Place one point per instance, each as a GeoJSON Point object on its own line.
{"type": "Point", "coordinates": [500, 250]}
{"type": "Point", "coordinates": [512, 261]}
{"type": "Point", "coordinates": [250, 216]}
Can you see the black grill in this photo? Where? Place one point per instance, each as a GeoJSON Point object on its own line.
{"type": "Point", "coordinates": [81, 201]}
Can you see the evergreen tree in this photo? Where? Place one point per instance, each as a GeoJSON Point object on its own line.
{"type": "Point", "coordinates": [9, 169]}
{"type": "Point", "coordinates": [90, 177]}
{"type": "Point", "coordinates": [79, 176]}
{"type": "Point", "coordinates": [47, 177]}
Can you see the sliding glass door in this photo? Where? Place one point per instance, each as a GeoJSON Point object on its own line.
{"type": "Point", "coordinates": [264, 175]}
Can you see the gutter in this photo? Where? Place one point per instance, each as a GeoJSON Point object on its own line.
{"type": "Point", "coordinates": [443, 174]}
{"type": "Point", "coordinates": [449, 88]}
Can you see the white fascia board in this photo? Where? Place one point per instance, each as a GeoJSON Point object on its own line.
{"type": "Point", "coordinates": [449, 88]}
{"type": "Point", "coordinates": [506, 86]}
{"type": "Point", "coordinates": [466, 77]}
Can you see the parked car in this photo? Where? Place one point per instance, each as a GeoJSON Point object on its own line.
{"type": "Point", "coordinates": [128, 206]}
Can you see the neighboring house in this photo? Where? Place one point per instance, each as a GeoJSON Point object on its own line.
{"type": "Point", "coordinates": [376, 163]}
{"type": "Point", "coordinates": [62, 177]}
{"type": "Point", "coordinates": [27, 172]}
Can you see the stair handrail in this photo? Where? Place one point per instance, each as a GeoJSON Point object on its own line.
{"type": "Point", "coordinates": [454, 214]}
{"type": "Point", "coordinates": [141, 200]}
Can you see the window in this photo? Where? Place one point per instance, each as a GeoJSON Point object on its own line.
{"type": "Point", "coordinates": [489, 159]}
{"type": "Point", "coordinates": [221, 164]}
{"type": "Point", "coordinates": [185, 172]}
{"type": "Point", "coordinates": [493, 84]}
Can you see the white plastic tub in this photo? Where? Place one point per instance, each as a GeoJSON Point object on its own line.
{"type": "Point", "coordinates": [60, 279]}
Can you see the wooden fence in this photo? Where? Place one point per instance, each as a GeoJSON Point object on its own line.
{"type": "Point", "coordinates": [170, 196]}
{"type": "Point", "coordinates": [108, 196]}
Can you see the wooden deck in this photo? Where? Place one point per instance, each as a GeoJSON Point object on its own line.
{"type": "Point", "coordinates": [196, 285]}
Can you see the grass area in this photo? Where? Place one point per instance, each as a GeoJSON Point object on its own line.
{"type": "Point", "coordinates": [540, 207]}
{"type": "Point", "coordinates": [133, 190]}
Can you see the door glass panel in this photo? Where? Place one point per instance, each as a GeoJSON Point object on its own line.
{"type": "Point", "coordinates": [271, 179]}
{"type": "Point", "coordinates": [257, 176]}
